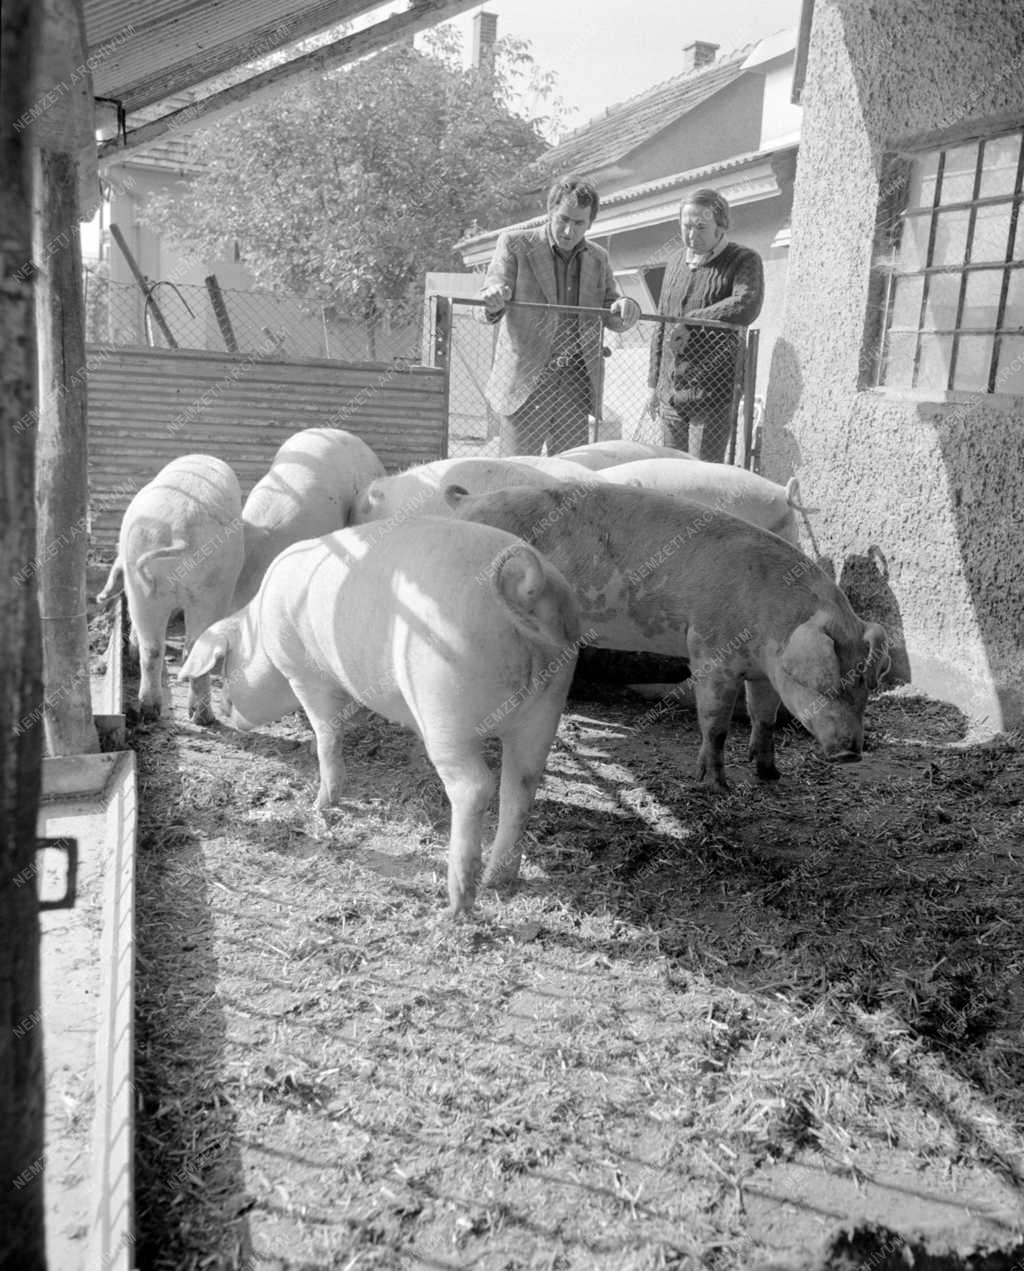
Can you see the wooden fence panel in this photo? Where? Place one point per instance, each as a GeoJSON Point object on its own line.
{"type": "Point", "coordinates": [148, 406]}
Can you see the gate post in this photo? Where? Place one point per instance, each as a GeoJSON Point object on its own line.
{"type": "Point", "coordinates": [441, 328]}
{"type": "Point", "coordinates": [751, 461]}
{"type": "Point", "coordinates": [440, 355]}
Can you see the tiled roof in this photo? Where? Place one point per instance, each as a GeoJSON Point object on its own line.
{"type": "Point", "coordinates": [611, 136]}
{"type": "Point", "coordinates": [673, 180]}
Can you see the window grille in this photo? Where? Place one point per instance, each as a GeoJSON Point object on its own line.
{"type": "Point", "coordinates": [953, 269]}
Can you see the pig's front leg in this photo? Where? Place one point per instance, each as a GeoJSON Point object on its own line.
{"type": "Point", "coordinates": [327, 707]}
{"type": "Point", "coordinates": [715, 694]}
{"type": "Point", "coordinates": [762, 706]}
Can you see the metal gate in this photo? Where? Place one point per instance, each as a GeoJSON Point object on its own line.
{"type": "Point", "coordinates": [594, 384]}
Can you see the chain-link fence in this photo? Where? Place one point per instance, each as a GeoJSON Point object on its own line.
{"type": "Point", "coordinates": [561, 378]}
{"type": "Point", "coordinates": [197, 316]}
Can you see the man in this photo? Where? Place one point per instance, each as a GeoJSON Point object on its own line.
{"type": "Point", "coordinates": [546, 375]}
{"type": "Point", "coordinates": [692, 368]}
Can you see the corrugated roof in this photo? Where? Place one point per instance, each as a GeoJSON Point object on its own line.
{"type": "Point", "coordinates": [611, 136]}
{"type": "Point", "coordinates": [143, 51]}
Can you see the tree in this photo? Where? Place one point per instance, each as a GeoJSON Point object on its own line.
{"type": "Point", "coordinates": [351, 185]}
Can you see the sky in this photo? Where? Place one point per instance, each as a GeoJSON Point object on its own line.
{"type": "Point", "coordinates": [605, 51]}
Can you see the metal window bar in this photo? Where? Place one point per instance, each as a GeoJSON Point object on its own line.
{"type": "Point", "coordinates": [1011, 238]}
{"type": "Point", "coordinates": [972, 217]}
{"type": "Point", "coordinates": [964, 270]}
{"type": "Point", "coordinates": [933, 225]}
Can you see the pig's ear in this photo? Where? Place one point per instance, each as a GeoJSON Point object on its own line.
{"type": "Point", "coordinates": [878, 661]}
{"type": "Point", "coordinates": [454, 494]}
{"type": "Point", "coordinates": [207, 651]}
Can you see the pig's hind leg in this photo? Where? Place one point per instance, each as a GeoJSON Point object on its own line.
{"type": "Point", "coordinates": [524, 756]}
{"type": "Point", "coordinates": [469, 784]}
{"type": "Point", "coordinates": [149, 626]}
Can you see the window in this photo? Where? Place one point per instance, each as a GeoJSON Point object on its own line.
{"type": "Point", "coordinates": [953, 270]}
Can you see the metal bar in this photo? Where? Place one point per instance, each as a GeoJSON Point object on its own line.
{"type": "Point", "coordinates": [220, 311]}
{"type": "Point", "coordinates": [940, 169]}
{"type": "Point", "coordinates": [961, 295]}
{"type": "Point", "coordinates": [591, 311]}
{"type": "Point", "coordinates": [144, 287]}
{"type": "Point", "coordinates": [749, 378]}
{"type": "Point", "coordinates": [1015, 214]}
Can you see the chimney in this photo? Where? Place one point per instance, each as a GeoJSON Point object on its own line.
{"type": "Point", "coordinates": [485, 32]}
{"type": "Point", "coordinates": [699, 53]}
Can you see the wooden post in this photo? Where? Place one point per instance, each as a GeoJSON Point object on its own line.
{"type": "Point", "coordinates": [144, 287]}
{"type": "Point", "coordinates": [22, 1237]}
{"type": "Point", "coordinates": [220, 310]}
{"type": "Point", "coordinates": [62, 494]}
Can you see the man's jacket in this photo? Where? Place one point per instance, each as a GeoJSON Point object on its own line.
{"type": "Point", "coordinates": [523, 262]}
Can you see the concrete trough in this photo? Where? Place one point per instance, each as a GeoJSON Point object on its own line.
{"type": "Point", "coordinates": [87, 993]}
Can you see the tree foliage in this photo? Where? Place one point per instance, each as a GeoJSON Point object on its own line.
{"type": "Point", "coordinates": [349, 186]}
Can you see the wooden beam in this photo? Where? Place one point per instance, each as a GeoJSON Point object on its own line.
{"type": "Point", "coordinates": [22, 1236]}
{"type": "Point", "coordinates": [400, 26]}
{"type": "Point", "coordinates": [61, 460]}
{"type": "Point", "coordinates": [62, 499]}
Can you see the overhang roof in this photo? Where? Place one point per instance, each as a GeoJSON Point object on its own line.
{"type": "Point", "coordinates": [743, 178]}
{"type": "Point", "coordinates": [142, 54]}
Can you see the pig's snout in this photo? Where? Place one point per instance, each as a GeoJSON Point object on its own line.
{"type": "Point", "coordinates": [843, 756]}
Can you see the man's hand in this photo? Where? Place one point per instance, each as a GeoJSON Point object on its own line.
{"type": "Point", "coordinates": [627, 311]}
{"type": "Point", "coordinates": [654, 404]}
{"type": "Point", "coordinates": [495, 297]}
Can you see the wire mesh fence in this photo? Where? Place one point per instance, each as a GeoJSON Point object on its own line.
{"type": "Point", "coordinates": [568, 379]}
{"type": "Point", "coordinates": [198, 316]}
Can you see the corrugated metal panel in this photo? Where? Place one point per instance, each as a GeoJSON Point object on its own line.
{"type": "Point", "coordinates": [147, 406]}
{"type": "Point", "coordinates": [142, 53]}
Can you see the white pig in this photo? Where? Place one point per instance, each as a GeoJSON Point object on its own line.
{"type": "Point", "coordinates": [180, 547]}
{"type": "Point", "coordinates": [718, 485]}
{"type": "Point", "coordinates": [559, 467]}
{"type": "Point", "coordinates": [309, 489]}
{"type": "Point", "coordinates": [419, 491]}
{"type": "Point", "coordinates": [655, 574]}
{"type": "Point", "coordinates": [599, 455]}
{"type": "Point", "coordinates": [461, 632]}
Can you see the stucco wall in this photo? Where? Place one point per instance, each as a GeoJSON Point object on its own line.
{"type": "Point", "coordinates": [936, 488]}
{"type": "Point", "coordinates": [726, 124]}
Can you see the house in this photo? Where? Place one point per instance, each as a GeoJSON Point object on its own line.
{"type": "Point", "coordinates": [896, 385]}
{"type": "Point", "coordinates": [725, 121]}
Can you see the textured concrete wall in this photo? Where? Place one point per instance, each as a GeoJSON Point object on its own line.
{"type": "Point", "coordinates": [921, 502]}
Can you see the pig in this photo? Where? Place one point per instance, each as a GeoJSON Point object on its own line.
{"type": "Point", "coordinates": [560, 468]}
{"type": "Point", "coordinates": [599, 455]}
{"type": "Point", "coordinates": [458, 631]}
{"type": "Point", "coordinates": [309, 489]}
{"type": "Point", "coordinates": [663, 575]}
{"type": "Point", "coordinates": [719, 485]}
{"type": "Point", "coordinates": [180, 547]}
{"type": "Point", "coordinates": [419, 491]}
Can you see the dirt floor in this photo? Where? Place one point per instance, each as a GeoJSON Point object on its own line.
{"type": "Point", "coordinates": [780, 1027]}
